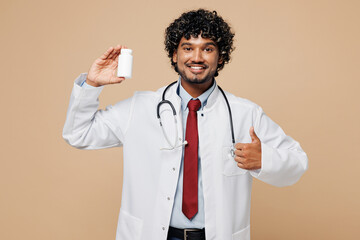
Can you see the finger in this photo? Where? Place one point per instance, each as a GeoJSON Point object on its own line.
{"type": "Point", "coordinates": [240, 146]}
{"type": "Point", "coordinates": [245, 164]}
{"type": "Point", "coordinates": [112, 54]}
{"type": "Point", "coordinates": [116, 52]}
{"type": "Point", "coordinates": [253, 135]}
{"type": "Point", "coordinates": [107, 53]}
{"type": "Point", "coordinates": [245, 153]}
{"type": "Point", "coordinates": [240, 159]}
{"type": "Point", "coordinates": [117, 80]}
{"type": "Point", "coordinates": [240, 165]}
{"type": "Point", "coordinates": [239, 153]}
{"type": "Point", "coordinates": [122, 47]}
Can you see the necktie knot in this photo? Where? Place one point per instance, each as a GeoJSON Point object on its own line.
{"type": "Point", "coordinates": [194, 105]}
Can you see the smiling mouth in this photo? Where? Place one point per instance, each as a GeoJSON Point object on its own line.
{"type": "Point", "coordinates": [197, 67]}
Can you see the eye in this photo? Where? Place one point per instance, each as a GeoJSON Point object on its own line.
{"type": "Point", "coordinates": [209, 49]}
{"type": "Point", "coordinates": [187, 49]}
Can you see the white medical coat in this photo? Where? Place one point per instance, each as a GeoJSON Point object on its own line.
{"type": "Point", "coordinates": [151, 175]}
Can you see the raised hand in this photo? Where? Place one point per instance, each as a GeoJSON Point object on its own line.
{"type": "Point", "coordinates": [104, 69]}
{"type": "Point", "coordinates": [248, 155]}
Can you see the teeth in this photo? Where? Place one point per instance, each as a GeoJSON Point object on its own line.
{"type": "Point", "coordinates": [197, 68]}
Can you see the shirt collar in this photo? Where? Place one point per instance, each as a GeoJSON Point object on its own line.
{"type": "Point", "coordinates": [186, 97]}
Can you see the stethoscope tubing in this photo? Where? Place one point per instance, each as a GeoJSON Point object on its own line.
{"type": "Point", "coordinates": [164, 101]}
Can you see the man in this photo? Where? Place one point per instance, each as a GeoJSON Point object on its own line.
{"type": "Point", "coordinates": [184, 180]}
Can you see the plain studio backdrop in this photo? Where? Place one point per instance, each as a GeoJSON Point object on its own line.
{"type": "Point", "coordinates": [299, 60]}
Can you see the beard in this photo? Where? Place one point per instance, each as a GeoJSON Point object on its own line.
{"type": "Point", "coordinates": [195, 79]}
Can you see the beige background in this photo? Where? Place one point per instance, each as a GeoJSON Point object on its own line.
{"type": "Point", "coordinates": [298, 59]}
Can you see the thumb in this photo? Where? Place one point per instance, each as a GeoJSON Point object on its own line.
{"type": "Point", "coordinates": [253, 135]}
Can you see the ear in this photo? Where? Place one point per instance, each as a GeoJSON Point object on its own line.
{"type": "Point", "coordinates": [220, 61]}
{"type": "Point", "coordinates": [174, 58]}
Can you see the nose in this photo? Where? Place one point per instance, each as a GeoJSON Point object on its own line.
{"type": "Point", "coordinates": [197, 56]}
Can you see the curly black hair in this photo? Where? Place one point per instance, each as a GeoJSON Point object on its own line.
{"type": "Point", "coordinates": [196, 22]}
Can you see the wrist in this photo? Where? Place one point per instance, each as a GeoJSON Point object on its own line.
{"type": "Point", "coordinates": [91, 83]}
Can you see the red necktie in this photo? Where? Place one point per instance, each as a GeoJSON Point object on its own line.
{"type": "Point", "coordinates": [190, 181]}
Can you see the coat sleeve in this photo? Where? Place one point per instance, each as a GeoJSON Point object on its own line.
{"type": "Point", "coordinates": [87, 127]}
{"type": "Point", "coordinates": [283, 160]}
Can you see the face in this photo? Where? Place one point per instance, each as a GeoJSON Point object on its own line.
{"type": "Point", "coordinates": [197, 59]}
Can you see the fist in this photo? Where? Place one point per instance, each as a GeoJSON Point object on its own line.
{"type": "Point", "coordinates": [248, 155]}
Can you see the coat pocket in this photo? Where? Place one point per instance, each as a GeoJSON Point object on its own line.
{"type": "Point", "coordinates": [129, 227]}
{"type": "Point", "coordinates": [230, 167]}
{"type": "Point", "coordinates": [243, 234]}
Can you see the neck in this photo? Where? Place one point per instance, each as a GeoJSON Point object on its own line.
{"type": "Point", "coordinates": [195, 90]}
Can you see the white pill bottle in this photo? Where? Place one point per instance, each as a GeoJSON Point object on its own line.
{"type": "Point", "coordinates": [125, 63]}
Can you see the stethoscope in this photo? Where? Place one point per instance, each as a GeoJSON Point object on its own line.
{"type": "Point", "coordinates": [173, 146]}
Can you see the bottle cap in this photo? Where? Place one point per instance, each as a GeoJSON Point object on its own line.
{"type": "Point", "coordinates": [126, 50]}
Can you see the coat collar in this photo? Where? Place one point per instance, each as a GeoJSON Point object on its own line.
{"type": "Point", "coordinates": [171, 95]}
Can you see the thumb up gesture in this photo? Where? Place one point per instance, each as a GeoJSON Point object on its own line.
{"type": "Point", "coordinates": [248, 155]}
{"type": "Point", "coordinates": [104, 69]}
